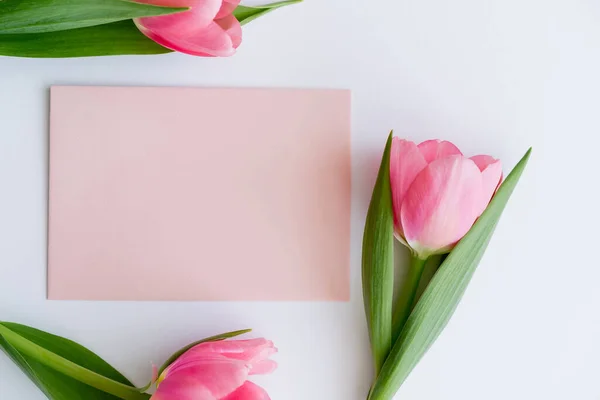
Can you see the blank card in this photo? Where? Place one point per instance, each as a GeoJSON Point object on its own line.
{"type": "Point", "coordinates": [199, 194]}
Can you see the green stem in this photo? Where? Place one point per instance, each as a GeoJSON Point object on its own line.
{"type": "Point", "coordinates": [406, 298]}
{"type": "Point", "coordinates": [69, 368]}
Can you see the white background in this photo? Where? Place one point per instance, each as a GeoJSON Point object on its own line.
{"type": "Point", "coordinates": [494, 76]}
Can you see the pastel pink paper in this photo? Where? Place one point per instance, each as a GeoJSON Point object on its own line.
{"type": "Point", "coordinates": [199, 194]}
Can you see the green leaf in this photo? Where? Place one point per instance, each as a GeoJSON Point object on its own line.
{"type": "Point", "coordinates": [39, 16]}
{"type": "Point", "coordinates": [179, 352]}
{"type": "Point", "coordinates": [440, 299]}
{"type": "Point", "coordinates": [103, 40]}
{"type": "Point", "coordinates": [53, 363]}
{"type": "Point", "coordinates": [246, 14]}
{"type": "Point", "coordinates": [378, 263]}
{"type": "Point", "coordinates": [22, 363]}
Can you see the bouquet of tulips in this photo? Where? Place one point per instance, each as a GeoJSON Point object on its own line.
{"type": "Point", "coordinates": [444, 207]}
{"type": "Point", "coordinates": [83, 28]}
{"type": "Point", "coordinates": [215, 368]}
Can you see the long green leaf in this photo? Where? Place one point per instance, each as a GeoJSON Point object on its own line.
{"type": "Point", "coordinates": [21, 362]}
{"type": "Point", "coordinates": [179, 352]}
{"type": "Point", "coordinates": [246, 14]}
{"type": "Point", "coordinates": [378, 263]}
{"type": "Point", "coordinates": [440, 299]}
{"type": "Point", "coordinates": [53, 384]}
{"type": "Point", "coordinates": [103, 40]}
{"type": "Point", "coordinates": [48, 360]}
{"type": "Point", "coordinates": [39, 16]}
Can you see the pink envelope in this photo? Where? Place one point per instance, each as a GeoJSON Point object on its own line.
{"type": "Point", "coordinates": [199, 194]}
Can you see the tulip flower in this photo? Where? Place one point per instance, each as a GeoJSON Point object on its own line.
{"type": "Point", "coordinates": [217, 371]}
{"type": "Point", "coordinates": [437, 195]}
{"type": "Point", "coordinates": [208, 29]}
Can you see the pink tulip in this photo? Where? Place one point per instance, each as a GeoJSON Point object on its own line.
{"type": "Point", "coordinates": [438, 193]}
{"type": "Point", "coordinates": [218, 371]}
{"type": "Point", "coordinates": [208, 29]}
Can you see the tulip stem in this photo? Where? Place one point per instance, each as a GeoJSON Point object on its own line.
{"type": "Point", "coordinates": [407, 296]}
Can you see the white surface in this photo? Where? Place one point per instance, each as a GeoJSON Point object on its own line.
{"type": "Point", "coordinates": [493, 76]}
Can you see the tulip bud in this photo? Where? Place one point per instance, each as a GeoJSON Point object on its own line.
{"type": "Point", "coordinates": [208, 29]}
{"type": "Point", "coordinates": [438, 193]}
{"type": "Point", "coordinates": [217, 371]}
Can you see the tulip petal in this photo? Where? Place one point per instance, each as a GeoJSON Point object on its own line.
{"type": "Point", "coordinates": [263, 367]}
{"type": "Point", "coordinates": [251, 352]}
{"type": "Point", "coordinates": [192, 32]}
{"type": "Point", "coordinates": [406, 161]}
{"type": "Point", "coordinates": [249, 391]}
{"type": "Point", "coordinates": [441, 205]}
{"type": "Point", "coordinates": [199, 379]}
{"type": "Point", "coordinates": [232, 27]}
{"type": "Point", "coordinates": [182, 389]}
{"type": "Point", "coordinates": [491, 172]}
{"type": "Point", "coordinates": [435, 149]}
{"type": "Point", "coordinates": [482, 161]}
{"type": "Point", "coordinates": [227, 8]}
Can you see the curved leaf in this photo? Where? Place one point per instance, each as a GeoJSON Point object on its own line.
{"type": "Point", "coordinates": [103, 40]}
{"type": "Point", "coordinates": [68, 349]}
{"type": "Point", "coordinates": [39, 16]}
{"type": "Point", "coordinates": [378, 263]}
{"type": "Point", "coordinates": [27, 369]}
{"type": "Point", "coordinates": [54, 384]}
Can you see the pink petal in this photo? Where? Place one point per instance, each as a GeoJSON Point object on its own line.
{"type": "Point", "coordinates": [441, 205]}
{"type": "Point", "coordinates": [435, 149]}
{"type": "Point", "coordinates": [491, 172]}
{"type": "Point", "coordinates": [192, 32]}
{"type": "Point", "coordinates": [182, 390]}
{"type": "Point", "coordinates": [263, 367]}
{"type": "Point", "coordinates": [232, 27]}
{"type": "Point", "coordinates": [227, 8]}
{"type": "Point", "coordinates": [203, 379]}
{"type": "Point", "coordinates": [249, 351]}
{"type": "Point", "coordinates": [249, 391]}
{"type": "Point", "coordinates": [482, 161]}
{"type": "Point", "coordinates": [189, 359]}
{"type": "Point", "coordinates": [406, 161]}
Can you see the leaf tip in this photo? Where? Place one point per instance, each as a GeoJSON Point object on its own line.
{"type": "Point", "coordinates": [525, 159]}
{"type": "Point", "coordinates": [390, 137]}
